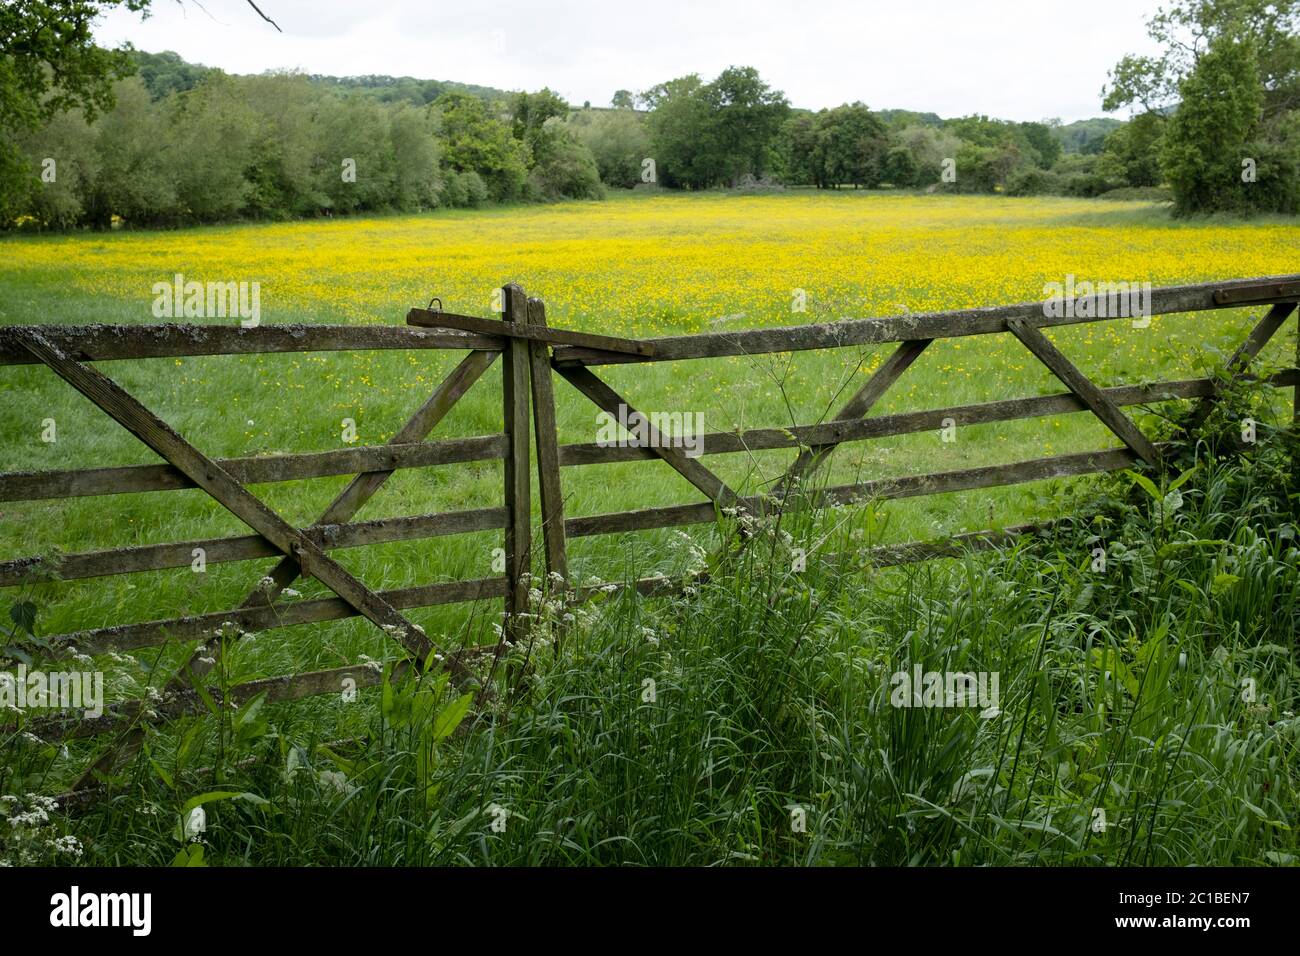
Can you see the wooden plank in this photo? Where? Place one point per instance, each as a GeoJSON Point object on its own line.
{"type": "Point", "coordinates": [518, 501]}
{"type": "Point", "coordinates": [1263, 293]}
{"type": "Point", "coordinates": [261, 469]}
{"type": "Point", "coordinates": [923, 325]}
{"type": "Point", "coordinates": [609, 401]}
{"type": "Point", "coordinates": [988, 476]}
{"type": "Point", "coordinates": [177, 630]}
{"type": "Point", "coordinates": [526, 330]}
{"type": "Point", "coordinates": [550, 490]}
{"type": "Point", "coordinates": [279, 689]}
{"type": "Point", "coordinates": [180, 554]}
{"type": "Point", "coordinates": [811, 458]}
{"type": "Point", "coordinates": [1101, 406]}
{"type": "Point", "coordinates": [187, 702]}
{"type": "Point", "coordinates": [160, 437]}
{"type": "Point", "coordinates": [96, 343]}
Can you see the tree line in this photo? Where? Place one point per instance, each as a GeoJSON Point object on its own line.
{"type": "Point", "coordinates": [92, 137]}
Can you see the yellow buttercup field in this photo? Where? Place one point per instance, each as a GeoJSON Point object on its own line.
{"type": "Point", "coordinates": [664, 264]}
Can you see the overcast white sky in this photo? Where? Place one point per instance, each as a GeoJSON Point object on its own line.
{"type": "Point", "coordinates": [1014, 59]}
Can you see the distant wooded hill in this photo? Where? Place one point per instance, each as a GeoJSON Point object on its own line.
{"type": "Point", "coordinates": [167, 73]}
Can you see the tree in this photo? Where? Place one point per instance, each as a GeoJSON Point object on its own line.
{"type": "Point", "coordinates": [1212, 51]}
{"type": "Point", "coordinates": [1186, 29]}
{"type": "Point", "coordinates": [900, 168]}
{"type": "Point", "coordinates": [283, 154]}
{"type": "Point", "coordinates": [706, 134]}
{"type": "Point", "coordinates": [566, 168]}
{"type": "Point", "coordinates": [746, 115]}
{"type": "Point", "coordinates": [618, 142]}
{"type": "Point", "coordinates": [1044, 144]}
{"type": "Point", "coordinates": [417, 183]}
{"type": "Point", "coordinates": [530, 111]}
{"type": "Point", "coordinates": [355, 165]}
{"type": "Point", "coordinates": [477, 142]}
{"type": "Point", "coordinates": [212, 132]}
{"type": "Point", "coordinates": [1206, 140]}
{"type": "Point", "coordinates": [135, 166]}
{"type": "Point", "coordinates": [49, 64]}
{"type": "Point", "coordinates": [622, 100]}
{"type": "Point", "coordinates": [679, 126]}
{"type": "Point", "coordinates": [67, 144]}
{"type": "Point", "coordinates": [1134, 149]}
{"type": "Point", "coordinates": [800, 161]}
{"type": "Point", "coordinates": [853, 144]}
{"type": "Point", "coordinates": [929, 147]}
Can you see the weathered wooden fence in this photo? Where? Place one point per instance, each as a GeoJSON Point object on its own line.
{"type": "Point", "coordinates": [531, 352]}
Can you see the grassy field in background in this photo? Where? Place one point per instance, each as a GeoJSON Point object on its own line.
{"type": "Point", "coordinates": [636, 266]}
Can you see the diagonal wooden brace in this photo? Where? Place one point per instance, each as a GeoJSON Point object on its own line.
{"type": "Point", "coordinates": [608, 400]}
{"type": "Point", "coordinates": [1106, 411]}
{"type": "Point", "coordinates": [208, 475]}
{"type": "Point", "coordinates": [360, 490]}
{"type": "Point", "coordinates": [810, 459]}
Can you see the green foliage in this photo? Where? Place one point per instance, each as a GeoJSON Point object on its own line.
{"type": "Point", "coordinates": [1135, 147]}
{"type": "Point", "coordinates": [166, 73]}
{"type": "Point", "coordinates": [1084, 136]}
{"type": "Point", "coordinates": [1229, 72]}
{"type": "Point", "coordinates": [710, 134]}
{"type": "Point", "coordinates": [135, 175]}
{"type": "Point", "coordinates": [851, 146]}
{"type": "Point", "coordinates": [212, 132]}
{"type": "Point", "coordinates": [1207, 137]}
{"type": "Point", "coordinates": [618, 142]}
{"type": "Point", "coordinates": [847, 145]}
{"type": "Point", "coordinates": [900, 167]}
{"type": "Point", "coordinates": [477, 142]}
{"type": "Point", "coordinates": [41, 41]}
{"type": "Point", "coordinates": [564, 167]}
{"type": "Point", "coordinates": [188, 144]}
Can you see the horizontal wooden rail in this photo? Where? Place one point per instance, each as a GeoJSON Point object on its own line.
{"type": "Point", "coordinates": [179, 554]}
{"type": "Point", "coordinates": [934, 483]}
{"type": "Point", "coordinates": [186, 702]}
{"type": "Point", "coordinates": [924, 325]}
{"type": "Point", "coordinates": [261, 469]}
{"type": "Point", "coordinates": [126, 637]}
{"type": "Point", "coordinates": [905, 423]}
{"type": "Point", "coordinates": [425, 318]}
{"type": "Point", "coordinates": [878, 556]}
{"type": "Point", "coordinates": [183, 702]}
{"type": "Point", "coordinates": [99, 343]}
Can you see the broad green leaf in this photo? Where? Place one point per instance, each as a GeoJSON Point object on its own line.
{"type": "Point", "coordinates": [449, 717]}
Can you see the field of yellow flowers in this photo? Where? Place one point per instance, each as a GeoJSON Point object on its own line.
{"type": "Point", "coordinates": [637, 266]}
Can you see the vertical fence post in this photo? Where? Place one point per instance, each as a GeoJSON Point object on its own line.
{"type": "Point", "coordinates": [514, 378]}
{"type": "Point", "coordinates": [1295, 419]}
{"type": "Point", "coordinates": [550, 491]}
